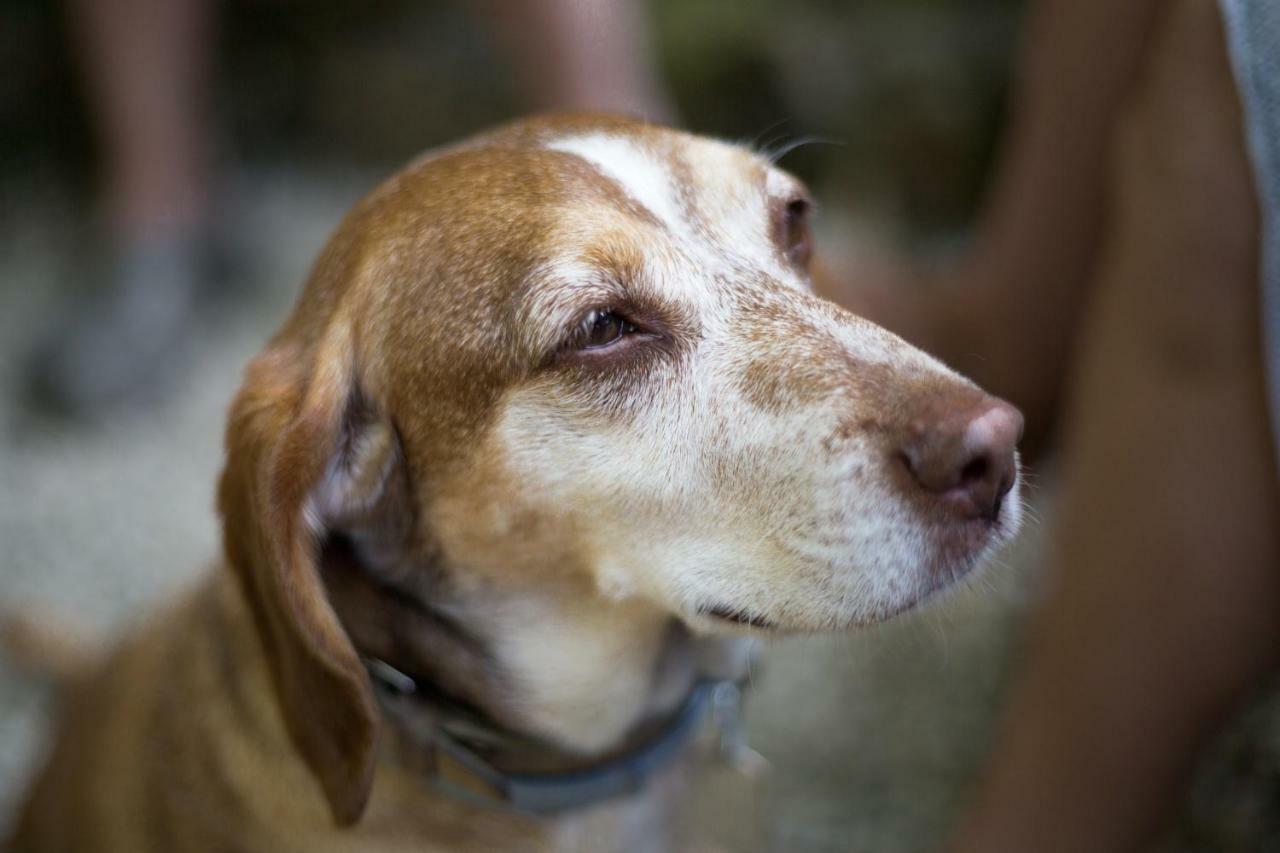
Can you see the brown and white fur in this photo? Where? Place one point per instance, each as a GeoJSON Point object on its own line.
{"type": "Point", "coordinates": [555, 415]}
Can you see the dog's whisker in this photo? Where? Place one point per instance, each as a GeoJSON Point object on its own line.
{"type": "Point", "coordinates": [774, 155]}
{"type": "Point", "coordinates": [754, 142]}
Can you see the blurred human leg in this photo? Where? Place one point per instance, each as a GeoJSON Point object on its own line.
{"type": "Point", "coordinates": [1006, 313]}
{"type": "Point", "coordinates": [582, 55]}
{"type": "Point", "coordinates": [146, 67]}
{"type": "Point", "coordinates": [1166, 557]}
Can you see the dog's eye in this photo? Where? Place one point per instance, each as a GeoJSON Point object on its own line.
{"type": "Point", "coordinates": [601, 329]}
{"type": "Point", "coordinates": [795, 241]}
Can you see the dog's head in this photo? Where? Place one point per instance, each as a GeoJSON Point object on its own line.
{"type": "Point", "coordinates": [582, 353]}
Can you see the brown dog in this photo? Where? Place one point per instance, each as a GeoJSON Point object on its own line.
{"type": "Point", "coordinates": [555, 416]}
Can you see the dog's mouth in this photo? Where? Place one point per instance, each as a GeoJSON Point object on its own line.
{"type": "Point", "coordinates": [960, 546]}
{"type": "Point", "coordinates": [737, 615]}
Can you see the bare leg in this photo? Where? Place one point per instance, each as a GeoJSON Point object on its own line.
{"type": "Point", "coordinates": [582, 54]}
{"type": "Point", "coordinates": [1167, 551]}
{"type": "Point", "coordinates": [146, 66]}
{"type": "Point", "coordinates": [1006, 315]}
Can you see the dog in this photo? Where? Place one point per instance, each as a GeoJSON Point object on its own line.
{"type": "Point", "coordinates": [556, 423]}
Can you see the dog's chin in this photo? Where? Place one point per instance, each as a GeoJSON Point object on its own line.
{"type": "Point", "coordinates": [953, 552]}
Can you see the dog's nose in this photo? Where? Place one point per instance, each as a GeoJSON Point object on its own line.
{"type": "Point", "coordinates": [962, 450]}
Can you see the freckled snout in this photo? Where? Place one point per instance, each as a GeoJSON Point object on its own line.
{"type": "Point", "coordinates": [961, 450]}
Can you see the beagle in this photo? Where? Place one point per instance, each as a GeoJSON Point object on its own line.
{"type": "Point", "coordinates": [555, 424]}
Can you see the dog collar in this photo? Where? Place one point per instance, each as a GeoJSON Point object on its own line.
{"type": "Point", "coordinates": [454, 736]}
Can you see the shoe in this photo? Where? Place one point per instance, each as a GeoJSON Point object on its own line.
{"type": "Point", "coordinates": [124, 340]}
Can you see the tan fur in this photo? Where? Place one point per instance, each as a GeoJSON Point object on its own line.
{"type": "Point", "coordinates": [421, 469]}
{"type": "Point", "coordinates": [44, 646]}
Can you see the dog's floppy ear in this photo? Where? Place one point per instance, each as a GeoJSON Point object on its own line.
{"type": "Point", "coordinates": [300, 454]}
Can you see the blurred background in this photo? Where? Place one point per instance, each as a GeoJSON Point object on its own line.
{"type": "Point", "coordinates": [105, 509]}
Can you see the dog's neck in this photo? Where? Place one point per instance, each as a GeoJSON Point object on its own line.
{"type": "Point", "coordinates": [583, 674]}
{"type": "Point", "coordinates": [563, 665]}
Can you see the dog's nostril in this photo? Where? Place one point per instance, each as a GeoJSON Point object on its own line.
{"type": "Point", "coordinates": [975, 470]}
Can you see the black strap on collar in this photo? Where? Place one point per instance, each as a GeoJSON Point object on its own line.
{"type": "Point", "coordinates": [460, 771]}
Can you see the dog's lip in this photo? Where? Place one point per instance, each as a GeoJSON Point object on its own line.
{"type": "Point", "coordinates": [960, 547]}
{"type": "Point", "coordinates": [738, 615]}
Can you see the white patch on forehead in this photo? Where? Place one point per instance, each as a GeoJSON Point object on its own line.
{"type": "Point", "coordinates": [643, 178]}
{"type": "Point", "coordinates": [733, 202]}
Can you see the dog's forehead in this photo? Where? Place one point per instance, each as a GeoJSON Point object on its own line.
{"type": "Point", "coordinates": [547, 183]}
{"type": "Point", "coordinates": [699, 188]}
{"type": "Point", "coordinates": [644, 177]}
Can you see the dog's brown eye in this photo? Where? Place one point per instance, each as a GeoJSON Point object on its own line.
{"type": "Point", "coordinates": [601, 329]}
{"type": "Point", "coordinates": [796, 243]}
